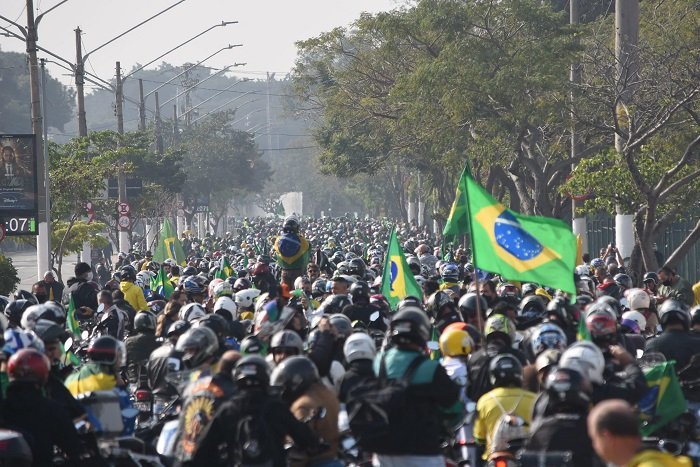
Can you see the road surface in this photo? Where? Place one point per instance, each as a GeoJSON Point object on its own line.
{"type": "Point", "coordinates": [25, 262]}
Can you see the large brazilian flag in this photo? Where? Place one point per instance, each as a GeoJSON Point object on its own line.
{"type": "Point", "coordinates": [169, 246]}
{"type": "Point", "coordinates": [519, 248]}
{"type": "Point", "coordinates": [397, 280]}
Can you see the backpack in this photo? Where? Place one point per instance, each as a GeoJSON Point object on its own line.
{"type": "Point", "coordinates": [253, 441]}
{"type": "Point", "coordinates": [377, 404]}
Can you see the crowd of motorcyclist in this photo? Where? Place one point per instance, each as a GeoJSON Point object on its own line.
{"type": "Point", "coordinates": [274, 341]}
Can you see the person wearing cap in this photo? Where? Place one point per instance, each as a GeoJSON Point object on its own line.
{"type": "Point", "coordinates": [83, 291]}
{"type": "Point", "coordinates": [54, 289]}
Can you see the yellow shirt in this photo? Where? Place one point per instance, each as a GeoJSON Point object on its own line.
{"type": "Point", "coordinates": [652, 458]}
{"type": "Point", "coordinates": [696, 293]}
{"type": "Point", "coordinates": [495, 403]}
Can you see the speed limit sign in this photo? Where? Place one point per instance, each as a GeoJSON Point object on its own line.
{"type": "Point", "coordinates": [124, 222]}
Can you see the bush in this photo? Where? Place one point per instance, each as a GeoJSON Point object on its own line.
{"type": "Point", "coordinates": [8, 276]}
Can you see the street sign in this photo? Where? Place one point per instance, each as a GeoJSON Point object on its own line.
{"type": "Point", "coordinates": [181, 212]}
{"type": "Point", "coordinates": [123, 209]}
{"type": "Point", "coordinates": [124, 222]}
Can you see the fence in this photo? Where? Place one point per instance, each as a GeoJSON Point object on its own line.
{"type": "Point", "coordinates": [601, 231]}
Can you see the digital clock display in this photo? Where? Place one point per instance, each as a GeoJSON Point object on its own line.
{"type": "Point", "coordinates": [19, 225]}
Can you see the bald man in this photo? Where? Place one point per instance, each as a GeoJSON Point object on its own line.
{"type": "Point", "coordinates": [614, 428]}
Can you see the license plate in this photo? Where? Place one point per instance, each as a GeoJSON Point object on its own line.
{"type": "Point", "coordinates": [142, 406]}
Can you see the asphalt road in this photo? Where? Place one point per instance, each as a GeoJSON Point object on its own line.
{"type": "Point", "coordinates": [25, 262]}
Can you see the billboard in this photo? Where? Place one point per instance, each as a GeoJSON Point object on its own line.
{"type": "Point", "coordinates": [18, 184]}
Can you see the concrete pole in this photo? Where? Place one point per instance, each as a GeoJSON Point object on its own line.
{"type": "Point", "coordinates": [142, 107]}
{"type": "Point", "coordinates": [124, 244]}
{"type": "Point", "coordinates": [43, 251]}
{"type": "Point", "coordinates": [578, 224]}
{"type": "Point", "coordinates": [627, 60]}
{"type": "Point", "coordinates": [79, 82]}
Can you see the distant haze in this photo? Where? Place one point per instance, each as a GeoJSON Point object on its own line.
{"type": "Point", "coordinates": [267, 29]}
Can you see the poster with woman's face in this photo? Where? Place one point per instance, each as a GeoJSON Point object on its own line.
{"type": "Point", "coordinates": [17, 172]}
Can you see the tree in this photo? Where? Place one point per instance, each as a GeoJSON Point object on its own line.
{"type": "Point", "coordinates": [15, 111]}
{"type": "Point", "coordinates": [8, 276]}
{"type": "Point", "coordinates": [652, 109]}
{"type": "Point", "coordinates": [428, 87]}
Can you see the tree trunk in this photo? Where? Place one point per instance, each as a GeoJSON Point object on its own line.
{"type": "Point", "coordinates": [683, 248]}
{"type": "Point", "coordinates": [59, 252]}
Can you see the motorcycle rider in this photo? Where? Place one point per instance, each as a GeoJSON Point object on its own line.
{"type": "Point", "coordinates": [132, 292]}
{"type": "Point", "coordinates": [140, 345]}
{"type": "Point", "coordinates": [83, 291]}
{"type": "Point", "coordinates": [251, 376]}
{"type": "Point", "coordinates": [359, 350]}
{"type": "Point", "coordinates": [676, 342]}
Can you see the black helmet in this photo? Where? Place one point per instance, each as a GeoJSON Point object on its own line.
{"type": "Point", "coordinates": [623, 280]}
{"type": "Point", "coordinates": [651, 276]}
{"type": "Point", "coordinates": [49, 332]}
{"type": "Point", "coordinates": [568, 391]}
{"type": "Point", "coordinates": [318, 288]}
{"type": "Point", "coordinates": [197, 346]}
{"type": "Point", "coordinates": [436, 301]}
{"type": "Point", "coordinates": [359, 291]}
{"type": "Point", "coordinates": [506, 370]}
{"type": "Point", "coordinates": [189, 271]}
{"type": "Point", "coordinates": [528, 289]}
{"type": "Point", "coordinates": [612, 302]}
{"type": "Point", "coordinates": [410, 325]}
{"type": "Point", "coordinates": [241, 283]}
{"type": "Point", "coordinates": [294, 376]}
{"type": "Point", "coordinates": [178, 328]}
{"type": "Point", "coordinates": [467, 305]}
{"type": "Point", "coordinates": [107, 350]}
{"type": "Point", "coordinates": [216, 323]}
{"type": "Point", "coordinates": [145, 321]}
{"type": "Point", "coordinates": [15, 310]}
{"type": "Point", "coordinates": [26, 295]}
{"type": "Point", "coordinates": [14, 449]}
{"type": "Point", "coordinates": [287, 341]}
{"type": "Point", "coordinates": [342, 324]}
{"type": "Point", "coordinates": [253, 345]}
{"type": "Point", "coordinates": [357, 267]}
{"type": "Point", "coordinates": [410, 302]}
{"type": "Point", "coordinates": [251, 371]}
{"type": "Point", "coordinates": [128, 273]}
{"type": "Point", "coordinates": [291, 224]}
{"type": "Point", "coordinates": [532, 305]}
{"type": "Point", "coordinates": [674, 311]}
{"type": "Point", "coordinates": [335, 304]}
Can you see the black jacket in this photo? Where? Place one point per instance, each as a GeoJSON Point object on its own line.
{"type": "Point", "coordinates": [43, 422]}
{"type": "Point", "coordinates": [564, 432]}
{"type": "Point", "coordinates": [479, 382]}
{"type": "Point", "coordinates": [675, 345]}
{"type": "Point", "coordinates": [223, 427]}
{"type": "Point", "coordinates": [138, 350]}
{"type": "Point", "coordinates": [357, 372]}
{"type": "Point", "coordinates": [57, 391]}
{"type": "Point", "coordinates": [83, 293]}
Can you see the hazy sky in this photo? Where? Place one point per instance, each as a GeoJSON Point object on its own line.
{"type": "Point", "coordinates": [267, 29]}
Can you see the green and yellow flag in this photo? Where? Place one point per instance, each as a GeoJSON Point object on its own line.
{"type": "Point", "coordinates": [664, 401]}
{"type": "Point", "coordinates": [161, 285]}
{"type": "Point", "coordinates": [168, 245]}
{"type": "Point", "coordinates": [71, 320]}
{"type": "Point", "coordinates": [458, 220]}
{"type": "Point", "coordinates": [397, 280]}
{"type": "Point", "coordinates": [582, 333]}
{"type": "Point", "coordinates": [520, 248]}
{"type": "Point", "coordinates": [225, 270]}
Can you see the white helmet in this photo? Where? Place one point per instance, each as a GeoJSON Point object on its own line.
{"type": "Point", "coordinates": [359, 346]}
{"type": "Point", "coordinates": [637, 299]}
{"type": "Point", "coordinates": [225, 303]}
{"type": "Point", "coordinates": [299, 283]}
{"type": "Point", "coordinates": [246, 297]}
{"type": "Point", "coordinates": [420, 280]}
{"type": "Point", "coordinates": [582, 270]}
{"type": "Point", "coordinates": [31, 316]}
{"type": "Point", "coordinates": [586, 358]}
{"type": "Point", "coordinates": [633, 315]}
{"type": "Point", "coordinates": [191, 312]}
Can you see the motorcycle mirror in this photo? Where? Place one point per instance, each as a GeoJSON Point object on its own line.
{"type": "Point", "coordinates": [374, 316]}
{"type": "Point", "coordinates": [68, 343]}
{"type": "Point", "coordinates": [85, 334]}
{"type": "Point", "coordinates": [433, 345]}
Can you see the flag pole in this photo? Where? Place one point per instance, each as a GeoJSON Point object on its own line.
{"type": "Point", "coordinates": [479, 319]}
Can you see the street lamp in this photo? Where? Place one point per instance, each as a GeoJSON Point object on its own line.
{"type": "Point", "coordinates": [216, 95]}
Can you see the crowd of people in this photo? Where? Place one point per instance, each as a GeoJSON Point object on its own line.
{"type": "Point", "coordinates": [284, 347]}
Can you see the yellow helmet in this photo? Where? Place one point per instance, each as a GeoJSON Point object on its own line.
{"type": "Point", "coordinates": [455, 342]}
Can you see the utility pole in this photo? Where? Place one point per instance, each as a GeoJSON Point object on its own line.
{"type": "Point", "coordinates": [142, 107]}
{"type": "Point", "coordinates": [578, 224]}
{"type": "Point", "coordinates": [42, 251]}
{"type": "Point", "coordinates": [627, 61]}
{"type": "Point", "coordinates": [44, 174]}
{"type": "Point", "coordinates": [159, 135]}
{"type": "Point", "coordinates": [176, 129]}
{"type": "Point", "coordinates": [79, 82]}
{"type": "Point", "coordinates": [124, 244]}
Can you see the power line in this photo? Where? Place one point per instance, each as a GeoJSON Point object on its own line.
{"type": "Point", "coordinates": [218, 90]}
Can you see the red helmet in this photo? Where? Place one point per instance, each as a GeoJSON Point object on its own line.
{"type": "Point", "coordinates": [261, 268]}
{"type": "Point", "coordinates": [601, 325]}
{"type": "Point", "coordinates": [29, 365]}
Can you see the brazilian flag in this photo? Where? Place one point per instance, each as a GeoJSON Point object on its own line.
{"type": "Point", "coordinates": [162, 285]}
{"type": "Point", "coordinates": [458, 220]}
{"type": "Point", "coordinates": [169, 246]}
{"type": "Point", "coordinates": [225, 270]}
{"type": "Point", "coordinates": [397, 280]}
{"type": "Point", "coordinates": [517, 247]}
{"type": "Point", "coordinates": [664, 401]}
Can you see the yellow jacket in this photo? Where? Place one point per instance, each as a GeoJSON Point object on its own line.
{"type": "Point", "coordinates": [134, 295]}
{"type": "Point", "coordinates": [653, 458]}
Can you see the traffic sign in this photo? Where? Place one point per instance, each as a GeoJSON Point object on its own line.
{"type": "Point", "coordinates": [124, 222]}
{"type": "Point", "coordinates": [123, 209]}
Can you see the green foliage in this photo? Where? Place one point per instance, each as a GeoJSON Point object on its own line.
{"type": "Point", "coordinates": [80, 232]}
{"type": "Point", "coordinates": [15, 114]}
{"type": "Point", "coordinates": [8, 276]}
